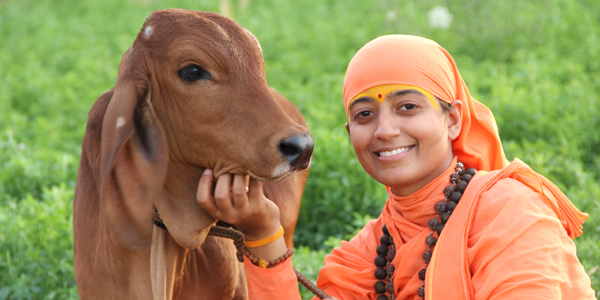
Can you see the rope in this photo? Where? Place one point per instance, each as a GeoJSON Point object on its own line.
{"type": "Point", "coordinates": [233, 232]}
{"type": "Point", "coordinates": [310, 286]}
{"type": "Point", "coordinates": [229, 231]}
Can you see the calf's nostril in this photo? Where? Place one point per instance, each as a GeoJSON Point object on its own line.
{"type": "Point", "coordinates": [291, 149]}
{"type": "Point", "coordinates": [297, 150]}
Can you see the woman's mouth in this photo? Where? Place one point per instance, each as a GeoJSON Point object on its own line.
{"type": "Point", "coordinates": [393, 152]}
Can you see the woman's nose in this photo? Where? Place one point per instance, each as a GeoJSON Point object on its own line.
{"type": "Point", "coordinates": [387, 127]}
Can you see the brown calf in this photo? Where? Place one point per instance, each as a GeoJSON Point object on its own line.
{"type": "Point", "coordinates": [191, 94]}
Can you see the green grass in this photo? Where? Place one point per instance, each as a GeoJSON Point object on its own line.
{"type": "Point", "coordinates": [536, 64]}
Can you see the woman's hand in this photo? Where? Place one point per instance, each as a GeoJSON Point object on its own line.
{"type": "Point", "coordinates": [237, 204]}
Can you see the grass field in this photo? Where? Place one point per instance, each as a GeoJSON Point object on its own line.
{"type": "Point", "coordinates": [535, 63]}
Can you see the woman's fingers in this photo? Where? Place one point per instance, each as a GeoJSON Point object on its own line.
{"type": "Point", "coordinates": [233, 202]}
{"type": "Point", "coordinates": [239, 192]}
{"type": "Point", "coordinates": [255, 189]}
{"type": "Point", "coordinates": [223, 193]}
{"type": "Point", "coordinates": [204, 195]}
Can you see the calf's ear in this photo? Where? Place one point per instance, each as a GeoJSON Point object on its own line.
{"type": "Point", "coordinates": [133, 159]}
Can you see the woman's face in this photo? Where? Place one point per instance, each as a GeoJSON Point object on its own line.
{"type": "Point", "coordinates": [403, 142]}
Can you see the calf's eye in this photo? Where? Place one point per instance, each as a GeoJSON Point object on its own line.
{"type": "Point", "coordinates": [193, 73]}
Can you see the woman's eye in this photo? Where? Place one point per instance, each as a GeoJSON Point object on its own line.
{"type": "Point", "coordinates": [193, 73]}
{"type": "Point", "coordinates": [408, 107]}
{"type": "Point", "coordinates": [363, 114]}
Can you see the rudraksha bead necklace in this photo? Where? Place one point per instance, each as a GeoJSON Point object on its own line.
{"type": "Point", "coordinates": [386, 251]}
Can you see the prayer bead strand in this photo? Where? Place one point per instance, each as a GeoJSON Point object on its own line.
{"type": "Point", "coordinates": [386, 251]}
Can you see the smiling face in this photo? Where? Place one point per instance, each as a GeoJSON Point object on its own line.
{"type": "Point", "coordinates": [403, 142]}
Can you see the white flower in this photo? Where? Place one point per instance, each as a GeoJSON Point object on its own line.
{"type": "Point", "coordinates": [439, 17]}
{"type": "Point", "coordinates": [391, 16]}
{"type": "Point", "coordinates": [21, 146]}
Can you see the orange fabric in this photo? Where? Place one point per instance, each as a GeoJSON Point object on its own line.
{"type": "Point", "coordinates": [411, 60]}
{"type": "Point", "coordinates": [510, 238]}
{"type": "Point", "coordinates": [510, 235]}
{"type": "Point", "coordinates": [278, 282]}
{"type": "Point", "coordinates": [515, 245]}
{"type": "Point", "coordinates": [348, 271]}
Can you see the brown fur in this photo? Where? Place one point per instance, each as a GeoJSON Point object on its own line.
{"type": "Point", "coordinates": [148, 141]}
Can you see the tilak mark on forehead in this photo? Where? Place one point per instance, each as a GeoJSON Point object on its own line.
{"type": "Point", "coordinates": [380, 92]}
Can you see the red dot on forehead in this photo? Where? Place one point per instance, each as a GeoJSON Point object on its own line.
{"type": "Point", "coordinates": [379, 95]}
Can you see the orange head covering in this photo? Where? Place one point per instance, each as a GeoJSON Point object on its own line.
{"type": "Point", "coordinates": [420, 62]}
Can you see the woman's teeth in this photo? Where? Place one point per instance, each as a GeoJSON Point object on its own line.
{"type": "Point", "coordinates": [394, 152]}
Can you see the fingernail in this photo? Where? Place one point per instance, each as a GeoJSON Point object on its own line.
{"type": "Point", "coordinates": [207, 172]}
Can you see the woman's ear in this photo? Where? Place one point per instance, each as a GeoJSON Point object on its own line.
{"type": "Point", "coordinates": [455, 120]}
{"type": "Point", "coordinates": [347, 127]}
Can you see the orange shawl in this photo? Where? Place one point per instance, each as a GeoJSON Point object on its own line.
{"type": "Point", "coordinates": [508, 238]}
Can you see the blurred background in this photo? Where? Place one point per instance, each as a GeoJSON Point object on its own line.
{"type": "Point", "coordinates": [535, 64]}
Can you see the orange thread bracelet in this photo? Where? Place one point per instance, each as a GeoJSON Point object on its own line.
{"type": "Point", "coordinates": [267, 240]}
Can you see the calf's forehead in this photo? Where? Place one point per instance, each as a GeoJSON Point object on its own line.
{"type": "Point", "coordinates": [221, 38]}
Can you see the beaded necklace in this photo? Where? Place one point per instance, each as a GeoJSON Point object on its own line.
{"type": "Point", "coordinates": [386, 251]}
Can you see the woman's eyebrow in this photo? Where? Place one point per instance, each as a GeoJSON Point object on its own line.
{"type": "Point", "coordinates": [361, 99]}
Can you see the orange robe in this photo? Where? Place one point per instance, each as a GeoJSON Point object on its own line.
{"type": "Point", "coordinates": [509, 237]}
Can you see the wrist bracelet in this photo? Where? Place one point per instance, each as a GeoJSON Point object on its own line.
{"type": "Point", "coordinates": [263, 263]}
{"type": "Point", "coordinates": [267, 240]}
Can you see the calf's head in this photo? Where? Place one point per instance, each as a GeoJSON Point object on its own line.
{"type": "Point", "coordinates": [191, 94]}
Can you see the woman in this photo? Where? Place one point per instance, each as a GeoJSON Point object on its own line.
{"type": "Point", "coordinates": [461, 222]}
